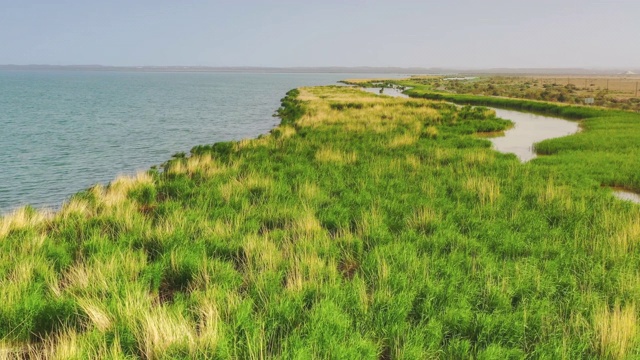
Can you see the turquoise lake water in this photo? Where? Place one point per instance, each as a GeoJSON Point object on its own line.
{"type": "Point", "coordinates": [63, 131]}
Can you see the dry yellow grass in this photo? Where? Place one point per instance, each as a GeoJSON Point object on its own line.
{"type": "Point", "coordinates": [230, 189]}
{"type": "Point", "coordinates": [354, 110]}
{"type": "Point", "coordinates": [286, 131]}
{"type": "Point", "coordinates": [616, 331]}
{"type": "Point", "coordinates": [309, 191]}
{"type": "Point", "coordinates": [479, 157]}
{"type": "Point", "coordinates": [103, 275]}
{"type": "Point", "coordinates": [76, 207]}
{"type": "Point", "coordinates": [431, 132]}
{"type": "Point", "coordinates": [15, 283]}
{"type": "Point", "coordinates": [627, 237]}
{"type": "Point", "coordinates": [9, 351]}
{"type": "Point", "coordinates": [264, 140]}
{"type": "Point", "coordinates": [223, 228]}
{"type": "Point", "coordinates": [22, 218]}
{"type": "Point", "coordinates": [261, 254]}
{"type": "Point", "coordinates": [118, 189]}
{"type": "Point", "coordinates": [63, 346]}
{"type": "Point", "coordinates": [162, 328]}
{"type": "Point", "coordinates": [307, 224]}
{"type": "Point", "coordinates": [204, 165]}
{"type": "Point", "coordinates": [208, 325]}
{"type": "Point", "coordinates": [556, 194]}
{"type": "Point", "coordinates": [310, 270]}
{"type": "Point", "coordinates": [255, 180]}
{"type": "Point", "coordinates": [98, 316]}
{"type": "Point", "coordinates": [370, 220]}
{"type": "Point", "coordinates": [403, 140]}
{"type": "Point", "coordinates": [177, 168]}
{"type": "Point", "coordinates": [328, 155]}
{"type": "Point", "coordinates": [423, 219]}
{"type": "Point", "coordinates": [413, 161]}
{"type": "Point", "coordinates": [622, 84]}
{"type": "Point", "coordinates": [487, 190]}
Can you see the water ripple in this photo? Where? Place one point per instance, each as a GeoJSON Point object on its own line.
{"type": "Point", "coordinates": [65, 131]}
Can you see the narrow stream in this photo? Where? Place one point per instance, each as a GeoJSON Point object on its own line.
{"type": "Point", "coordinates": [528, 129]}
{"type": "Point", "coordinates": [387, 91]}
{"type": "Point", "coordinates": [627, 195]}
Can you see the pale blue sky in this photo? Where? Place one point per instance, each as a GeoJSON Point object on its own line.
{"type": "Point", "coordinates": [457, 33]}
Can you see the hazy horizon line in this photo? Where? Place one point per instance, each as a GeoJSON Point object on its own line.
{"type": "Point", "coordinates": [334, 68]}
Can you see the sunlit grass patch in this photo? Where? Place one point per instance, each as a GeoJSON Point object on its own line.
{"type": "Point", "coordinates": [97, 314]}
{"type": "Point", "coordinates": [209, 325]}
{"type": "Point", "coordinates": [625, 240]}
{"type": "Point", "coordinates": [306, 223]}
{"type": "Point", "coordinates": [261, 254]}
{"type": "Point", "coordinates": [309, 191]}
{"type": "Point", "coordinates": [202, 164]}
{"type": "Point", "coordinates": [24, 217]}
{"type": "Point", "coordinates": [479, 157]}
{"type": "Point", "coordinates": [205, 164]}
{"type": "Point", "coordinates": [486, 189]}
{"type": "Point", "coordinates": [370, 221]}
{"type": "Point", "coordinates": [267, 141]}
{"type": "Point", "coordinates": [403, 140]}
{"type": "Point", "coordinates": [413, 161]}
{"type": "Point", "coordinates": [79, 207]}
{"type": "Point", "coordinates": [284, 132]}
{"type": "Point", "coordinates": [10, 351]}
{"type": "Point", "coordinates": [310, 270]}
{"type": "Point", "coordinates": [162, 329]}
{"type": "Point", "coordinates": [67, 345]}
{"type": "Point", "coordinates": [329, 155]}
{"type": "Point", "coordinates": [424, 220]}
{"type": "Point", "coordinates": [431, 132]}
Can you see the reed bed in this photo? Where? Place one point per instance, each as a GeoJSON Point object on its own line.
{"type": "Point", "coordinates": [364, 227]}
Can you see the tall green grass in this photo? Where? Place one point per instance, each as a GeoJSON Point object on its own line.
{"type": "Point", "coordinates": [362, 227]}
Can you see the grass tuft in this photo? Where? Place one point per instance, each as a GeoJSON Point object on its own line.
{"type": "Point", "coordinates": [616, 331]}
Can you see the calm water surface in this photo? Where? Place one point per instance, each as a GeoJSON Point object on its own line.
{"type": "Point", "coordinates": [529, 129]}
{"type": "Point", "coordinates": [387, 91]}
{"type": "Point", "coordinates": [627, 195]}
{"type": "Point", "coordinates": [61, 132]}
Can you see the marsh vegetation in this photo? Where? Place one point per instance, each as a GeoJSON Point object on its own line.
{"type": "Point", "coordinates": [362, 227]}
{"type": "Point", "coordinates": [619, 92]}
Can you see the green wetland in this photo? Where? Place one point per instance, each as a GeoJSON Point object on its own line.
{"type": "Point", "coordinates": [527, 128]}
{"type": "Point", "coordinates": [362, 227]}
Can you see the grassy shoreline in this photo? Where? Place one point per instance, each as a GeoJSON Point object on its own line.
{"type": "Point", "coordinates": [361, 227]}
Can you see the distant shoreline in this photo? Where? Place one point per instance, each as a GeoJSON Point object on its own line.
{"type": "Point", "coordinates": [327, 70]}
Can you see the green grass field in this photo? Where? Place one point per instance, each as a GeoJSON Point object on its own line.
{"type": "Point", "coordinates": [363, 227]}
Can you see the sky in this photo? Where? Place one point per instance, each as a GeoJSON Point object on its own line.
{"type": "Point", "coordinates": [308, 33]}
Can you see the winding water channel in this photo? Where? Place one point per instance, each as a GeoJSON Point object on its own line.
{"type": "Point", "coordinates": [627, 195]}
{"type": "Point", "coordinates": [528, 129]}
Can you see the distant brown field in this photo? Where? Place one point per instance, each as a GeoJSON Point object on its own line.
{"type": "Point", "coordinates": [626, 85]}
{"type": "Point", "coordinates": [611, 91]}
